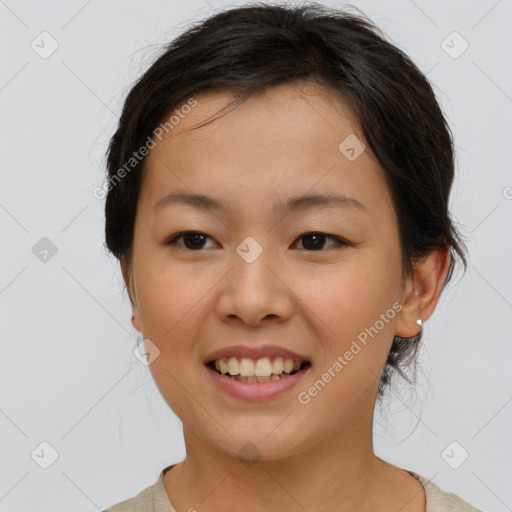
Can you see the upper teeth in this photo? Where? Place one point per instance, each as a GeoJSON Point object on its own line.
{"type": "Point", "coordinates": [258, 367]}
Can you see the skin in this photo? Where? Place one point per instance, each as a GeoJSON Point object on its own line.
{"type": "Point", "coordinates": [277, 144]}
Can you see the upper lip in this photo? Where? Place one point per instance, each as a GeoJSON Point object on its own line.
{"type": "Point", "coordinates": [252, 352]}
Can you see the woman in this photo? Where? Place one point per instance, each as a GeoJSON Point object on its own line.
{"type": "Point", "coordinates": [278, 201]}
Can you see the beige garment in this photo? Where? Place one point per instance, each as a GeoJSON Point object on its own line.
{"type": "Point", "coordinates": [154, 499]}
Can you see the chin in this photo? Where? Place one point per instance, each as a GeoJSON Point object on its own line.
{"type": "Point", "coordinates": [261, 446]}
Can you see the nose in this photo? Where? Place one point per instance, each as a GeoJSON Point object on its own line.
{"type": "Point", "coordinates": [255, 292]}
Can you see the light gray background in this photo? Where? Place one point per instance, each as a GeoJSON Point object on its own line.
{"type": "Point", "coordinates": [68, 374]}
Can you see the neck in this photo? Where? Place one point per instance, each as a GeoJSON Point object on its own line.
{"type": "Point", "coordinates": [340, 473]}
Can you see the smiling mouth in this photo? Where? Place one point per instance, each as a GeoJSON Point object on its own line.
{"type": "Point", "coordinates": [249, 372]}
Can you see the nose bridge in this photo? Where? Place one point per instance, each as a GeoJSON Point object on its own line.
{"type": "Point", "coordinates": [253, 291]}
{"type": "Point", "coordinates": [251, 262]}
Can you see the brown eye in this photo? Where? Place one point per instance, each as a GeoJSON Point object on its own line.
{"type": "Point", "coordinates": [195, 240]}
{"type": "Point", "coordinates": [315, 241]}
{"type": "Point", "coordinates": [192, 240]}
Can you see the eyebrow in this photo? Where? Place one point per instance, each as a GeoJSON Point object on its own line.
{"type": "Point", "coordinates": [293, 204]}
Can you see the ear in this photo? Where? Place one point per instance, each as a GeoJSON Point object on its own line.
{"type": "Point", "coordinates": [128, 280]}
{"type": "Point", "coordinates": [422, 290]}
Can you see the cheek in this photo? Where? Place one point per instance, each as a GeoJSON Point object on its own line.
{"type": "Point", "coordinates": [170, 302]}
{"type": "Point", "coordinates": [350, 297]}
{"type": "Point", "coordinates": [352, 311]}
{"type": "Point", "coordinates": [169, 298]}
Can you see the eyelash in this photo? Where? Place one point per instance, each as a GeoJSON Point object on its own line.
{"type": "Point", "coordinates": [174, 238]}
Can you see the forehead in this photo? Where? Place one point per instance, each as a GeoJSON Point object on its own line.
{"type": "Point", "coordinates": [284, 140]}
{"type": "Point", "coordinates": [284, 114]}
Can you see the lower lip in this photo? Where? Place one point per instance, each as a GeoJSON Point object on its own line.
{"type": "Point", "coordinates": [256, 390]}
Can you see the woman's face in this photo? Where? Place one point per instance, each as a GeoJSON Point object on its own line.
{"type": "Point", "coordinates": [254, 279]}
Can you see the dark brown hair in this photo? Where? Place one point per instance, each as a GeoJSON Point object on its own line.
{"type": "Point", "coordinates": [247, 49]}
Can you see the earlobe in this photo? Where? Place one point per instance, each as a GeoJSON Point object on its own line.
{"type": "Point", "coordinates": [422, 291]}
{"type": "Point", "coordinates": [136, 319]}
